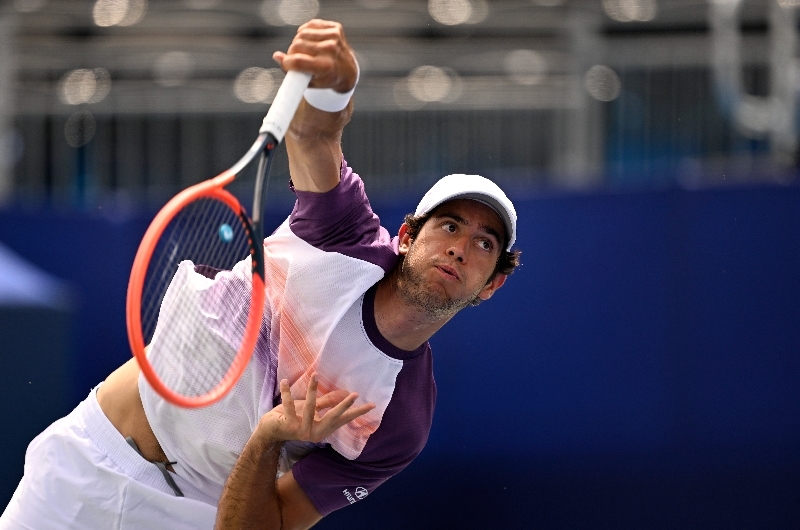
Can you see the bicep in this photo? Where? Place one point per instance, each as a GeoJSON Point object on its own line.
{"type": "Point", "coordinates": [298, 512]}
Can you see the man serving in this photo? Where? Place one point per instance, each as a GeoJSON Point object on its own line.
{"type": "Point", "coordinates": [348, 309]}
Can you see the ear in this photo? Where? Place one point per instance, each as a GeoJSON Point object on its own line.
{"type": "Point", "coordinates": [496, 283]}
{"type": "Point", "coordinates": [404, 240]}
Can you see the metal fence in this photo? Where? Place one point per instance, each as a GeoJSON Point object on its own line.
{"type": "Point", "coordinates": [538, 94]}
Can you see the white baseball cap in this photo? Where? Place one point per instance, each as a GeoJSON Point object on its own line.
{"type": "Point", "coordinates": [473, 187]}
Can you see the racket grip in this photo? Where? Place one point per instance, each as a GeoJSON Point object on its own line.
{"type": "Point", "coordinates": [285, 104]}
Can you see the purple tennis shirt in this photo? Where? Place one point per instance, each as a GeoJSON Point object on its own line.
{"type": "Point", "coordinates": [341, 221]}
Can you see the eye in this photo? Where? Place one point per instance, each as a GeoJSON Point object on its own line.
{"type": "Point", "coordinates": [486, 245]}
{"type": "Point", "coordinates": [449, 227]}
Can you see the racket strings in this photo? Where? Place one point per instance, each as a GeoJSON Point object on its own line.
{"type": "Point", "coordinates": [194, 314]}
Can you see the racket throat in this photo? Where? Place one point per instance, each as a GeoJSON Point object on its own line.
{"type": "Point", "coordinates": [262, 179]}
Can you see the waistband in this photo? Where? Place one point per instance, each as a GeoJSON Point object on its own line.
{"type": "Point", "coordinates": [109, 440]}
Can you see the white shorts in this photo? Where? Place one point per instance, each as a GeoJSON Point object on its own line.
{"type": "Point", "coordinates": [80, 473]}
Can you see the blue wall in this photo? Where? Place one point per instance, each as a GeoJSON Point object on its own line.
{"type": "Point", "coordinates": [640, 370]}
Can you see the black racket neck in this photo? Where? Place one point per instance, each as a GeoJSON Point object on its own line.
{"type": "Point", "coordinates": [262, 181]}
{"type": "Point", "coordinates": [259, 199]}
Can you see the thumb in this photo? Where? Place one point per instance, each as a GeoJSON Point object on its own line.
{"type": "Point", "coordinates": [278, 57]}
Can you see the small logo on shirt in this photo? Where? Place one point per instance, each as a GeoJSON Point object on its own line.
{"type": "Point", "coordinates": [361, 492]}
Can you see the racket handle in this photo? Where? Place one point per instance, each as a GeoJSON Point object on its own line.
{"type": "Point", "coordinates": [285, 104]}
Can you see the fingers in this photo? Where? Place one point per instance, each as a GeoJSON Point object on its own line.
{"type": "Point", "coordinates": [278, 57]}
{"type": "Point", "coordinates": [321, 30]}
{"type": "Point", "coordinates": [310, 427]}
{"type": "Point", "coordinates": [318, 66]}
{"type": "Point", "coordinates": [287, 400]}
{"type": "Point", "coordinates": [321, 49]}
{"type": "Point", "coordinates": [351, 414]}
{"type": "Point", "coordinates": [316, 47]}
{"type": "Point", "coordinates": [318, 23]}
{"type": "Point", "coordinates": [343, 413]}
{"type": "Point", "coordinates": [331, 399]}
{"type": "Point", "coordinates": [307, 33]}
{"type": "Point", "coordinates": [310, 407]}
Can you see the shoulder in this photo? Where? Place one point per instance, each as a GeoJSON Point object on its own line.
{"type": "Point", "coordinates": [407, 421]}
{"type": "Point", "coordinates": [332, 481]}
{"type": "Point", "coordinates": [347, 195]}
{"type": "Point", "coordinates": [342, 220]}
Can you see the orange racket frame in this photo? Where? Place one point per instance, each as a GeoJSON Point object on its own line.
{"type": "Point", "coordinates": [272, 131]}
{"type": "Point", "coordinates": [212, 188]}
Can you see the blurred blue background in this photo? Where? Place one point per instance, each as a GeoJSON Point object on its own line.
{"type": "Point", "coordinates": [641, 369]}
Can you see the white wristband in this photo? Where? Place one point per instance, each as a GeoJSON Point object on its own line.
{"type": "Point", "coordinates": [328, 99]}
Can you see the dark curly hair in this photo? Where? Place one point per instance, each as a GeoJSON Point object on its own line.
{"type": "Point", "coordinates": [507, 261]}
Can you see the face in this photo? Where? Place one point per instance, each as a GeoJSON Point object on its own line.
{"type": "Point", "coordinates": [450, 261]}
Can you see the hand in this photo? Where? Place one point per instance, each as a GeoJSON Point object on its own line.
{"type": "Point", "coordinates": [301, 420]}
{"type": "Point", "coordinates": [321, 49]}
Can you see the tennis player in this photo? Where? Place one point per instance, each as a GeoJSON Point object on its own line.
{"type": "Point", "coordinates": [348, 309]}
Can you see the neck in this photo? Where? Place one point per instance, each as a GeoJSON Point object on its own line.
{"type": "Point", "coordinates": [405, 325]}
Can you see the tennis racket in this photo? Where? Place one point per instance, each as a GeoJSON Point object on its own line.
{"type": "Point", "coordinates": [196, 292]}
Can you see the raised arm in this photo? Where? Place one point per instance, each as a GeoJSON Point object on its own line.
{"type": "Point", "coordinates": [313, 141]}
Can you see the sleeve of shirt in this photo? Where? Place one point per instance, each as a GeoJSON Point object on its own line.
{"type": "Point", "coordinates": [341, 220]}
{"type": "Point", "coordinates": [333, 482]}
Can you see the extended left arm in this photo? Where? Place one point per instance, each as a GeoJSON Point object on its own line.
{"type": "Point", "coordinates": [252, 498]}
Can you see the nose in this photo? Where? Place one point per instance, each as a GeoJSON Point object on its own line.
{"type": "Point", "coordinates": [457, 250]}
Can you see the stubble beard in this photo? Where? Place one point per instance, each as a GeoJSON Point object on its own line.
{"type": "Point", "coordinates": [418, 292]}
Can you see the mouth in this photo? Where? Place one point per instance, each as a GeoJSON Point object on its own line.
{"type": "Point", "coordinates": [449, 271]}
